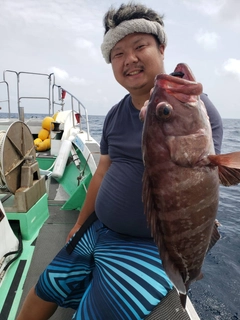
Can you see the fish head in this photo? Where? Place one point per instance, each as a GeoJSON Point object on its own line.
{"type": "Point", "coordinates": [176, 121]}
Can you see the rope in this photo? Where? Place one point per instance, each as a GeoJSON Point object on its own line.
{"type": "Point", "coordinates": [17, 254]}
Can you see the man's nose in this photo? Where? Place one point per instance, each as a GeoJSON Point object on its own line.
{"type": "Point", "coordinates": [130, 57]}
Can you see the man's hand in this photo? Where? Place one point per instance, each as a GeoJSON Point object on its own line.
{"type": "Point", "coordinates": [73, 231]}
{"type": "Point", "coordinates": [143, 110]}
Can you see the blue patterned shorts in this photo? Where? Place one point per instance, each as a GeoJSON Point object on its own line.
{"type": "Point", "coordinates": [107, 276]}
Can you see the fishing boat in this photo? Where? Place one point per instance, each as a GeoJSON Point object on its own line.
{"type": "Point", "coordinates": [42, 188]}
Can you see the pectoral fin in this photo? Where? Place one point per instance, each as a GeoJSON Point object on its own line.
{"type": "Point", "coordinates": [228, 167]}
{"type": "Point", "coordinates": [215, 235]}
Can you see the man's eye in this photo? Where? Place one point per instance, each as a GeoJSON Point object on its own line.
{"type": "Point", "coordinates": [118, 54]}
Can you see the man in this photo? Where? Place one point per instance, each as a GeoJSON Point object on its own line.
{"type": "Point", "coordinates": [114, 271]}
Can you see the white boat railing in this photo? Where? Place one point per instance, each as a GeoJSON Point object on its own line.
{"type": "Point", "coordinates": [7, 95]}
{"type": "Point", "coordinates": [75, 103]}
{"type": "Point", "coordinates": [18, 87]}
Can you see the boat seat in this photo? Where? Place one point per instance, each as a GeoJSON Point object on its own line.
{"type": "Point", "coordinates": [169, 308]}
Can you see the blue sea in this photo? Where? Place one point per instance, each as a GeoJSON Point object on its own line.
{"type": "Point", "coordinates": [217, 295]}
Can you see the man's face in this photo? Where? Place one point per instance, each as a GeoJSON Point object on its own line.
{"type": "Point", "coordinates": [136, 60]}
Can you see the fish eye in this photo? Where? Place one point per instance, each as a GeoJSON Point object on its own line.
{"type": "Point", "coordinates": [163, 110]}
{"type": "Point", "coordinates": [166, 111]}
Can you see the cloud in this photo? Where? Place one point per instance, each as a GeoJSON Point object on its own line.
{"type": "Point", "coordinates": [78, 81]}
{"type": "Point", "coordinates": [226, 12]}
{"type": "Point", "coordinates": [205, 6]}
{"type": "Point", "coordinates": [230, 14]}
{"type": "Point", "coordinates": [84, 44]}
{"type": "Point", "coordinates": [61, 74]}
{"type": "Point", "coordinates": [87, 45]}
{"type": "Point", "coordinates": [59, 16]}
{"type": "Point", "coordinates": [232, 67]}
{"type": "Point", "coordinates": [209, 40]}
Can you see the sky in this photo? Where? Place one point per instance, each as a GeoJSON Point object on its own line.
{"type": "Point", "coordinates": [64, 37]}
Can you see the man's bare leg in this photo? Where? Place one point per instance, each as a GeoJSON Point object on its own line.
{"type": "Point", "coordinates": [34, 308]}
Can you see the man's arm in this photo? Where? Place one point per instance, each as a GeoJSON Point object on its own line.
{"type": "Point", "coordinates": [89, 204]}
{"type": "Point", "coordinates": [215, 121]}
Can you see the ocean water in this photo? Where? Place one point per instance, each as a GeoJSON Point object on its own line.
{"type": "Point", "coordinates": [217, 295]}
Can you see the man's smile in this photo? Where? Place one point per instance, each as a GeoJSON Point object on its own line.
{"type": "Point", "coordinates": [134, 72]}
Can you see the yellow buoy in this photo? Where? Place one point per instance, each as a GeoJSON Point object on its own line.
{"type": "Point", "coordinates": [37, 141]}
{"type": "Point", "coordinates": [44, 145]}
{"type": "Point", "coordinates": [47, 123]}
{"type": "Point", "coordinates": [47, 143]}
{"type": "Point", "coordinates": [43, 134]}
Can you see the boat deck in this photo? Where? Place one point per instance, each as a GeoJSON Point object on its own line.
{"type": "Point", "coordinates": [50, 240]}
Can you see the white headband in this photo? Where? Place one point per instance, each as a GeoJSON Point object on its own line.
{"type": "Point", "coordinates": [127, 27]}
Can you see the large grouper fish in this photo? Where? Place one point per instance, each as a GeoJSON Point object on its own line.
{"type": "Point", "coordinates": [182, 175]}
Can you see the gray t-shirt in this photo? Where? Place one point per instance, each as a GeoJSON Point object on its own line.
{"type": "Point", "coordinates": [119, 201]}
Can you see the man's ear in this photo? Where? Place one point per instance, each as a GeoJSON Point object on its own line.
{"type": "Point", "coordinates": [161, 49]}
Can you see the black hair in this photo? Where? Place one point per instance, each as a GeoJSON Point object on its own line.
{"type": "Point", "coordinates": [129, 11]}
